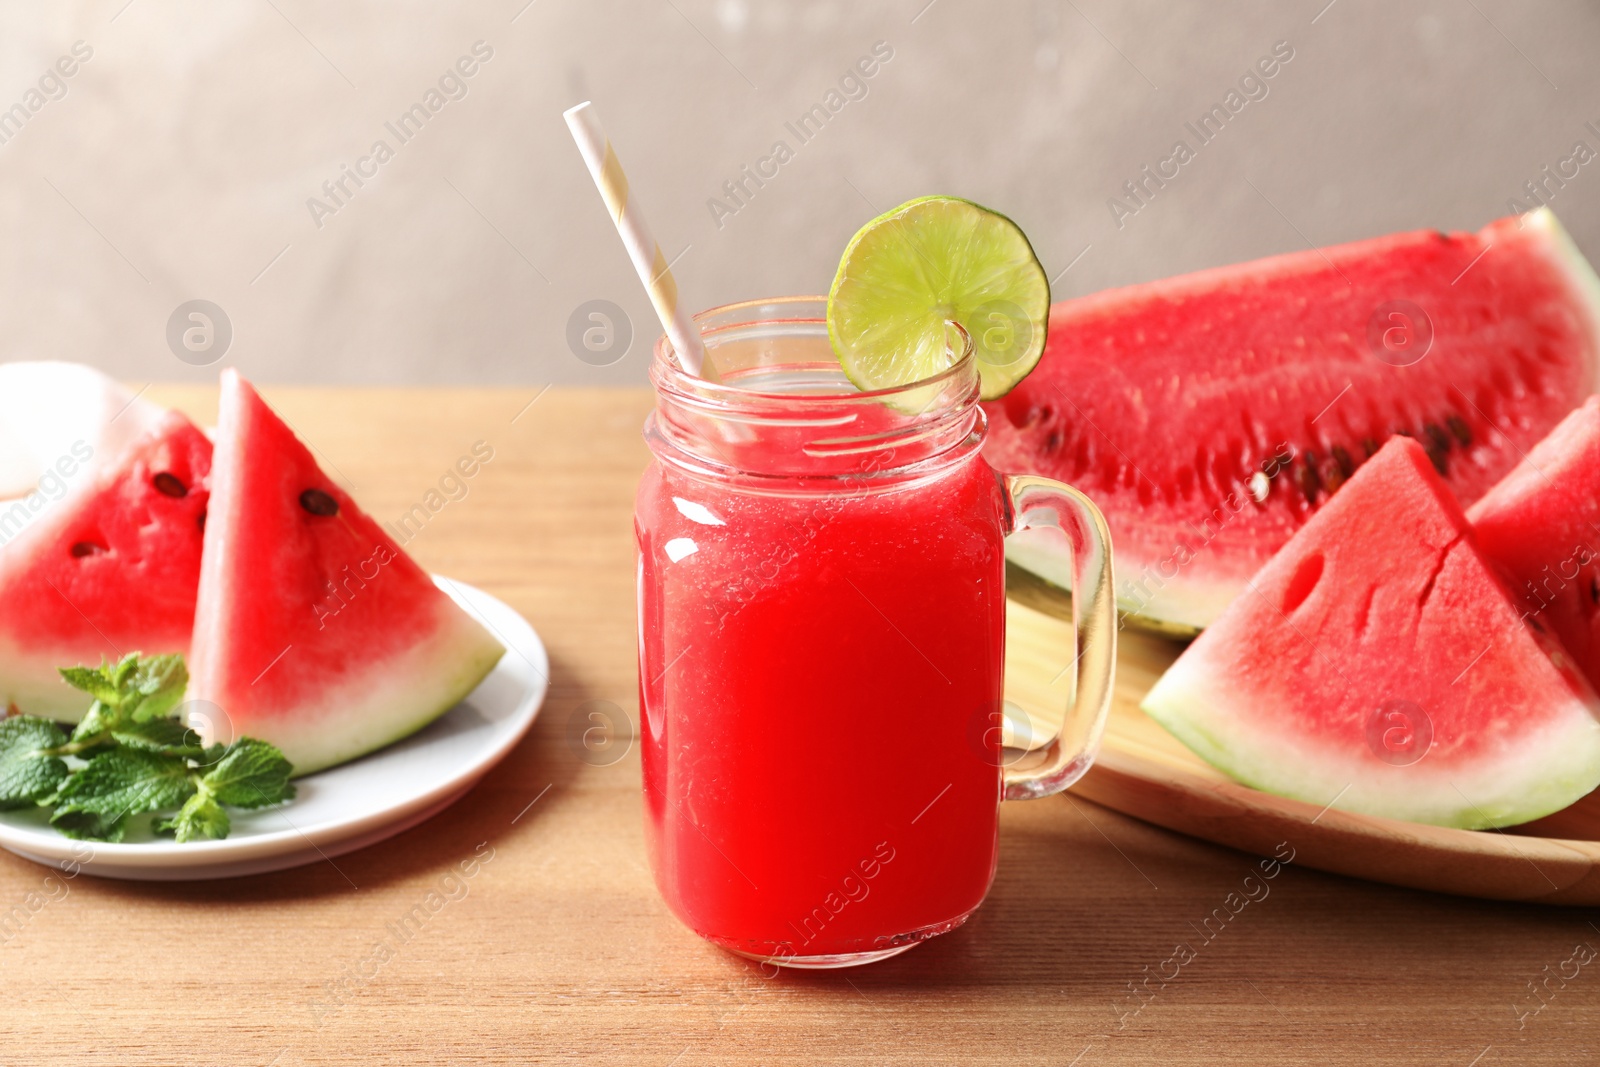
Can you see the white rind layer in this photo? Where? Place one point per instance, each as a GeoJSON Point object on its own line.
{"type": "Point", "coordinates": [1545, 770]}
{"type": "Point", "coordinates": [30, 682]}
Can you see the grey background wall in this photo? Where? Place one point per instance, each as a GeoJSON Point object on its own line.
{"type": "Point", "coordinates": [177, 162]}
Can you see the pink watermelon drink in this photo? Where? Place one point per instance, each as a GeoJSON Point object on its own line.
{"type": "Point", "coordinates": [788, 632]}
{"type": "Point", "coordinates": [821, 647]}
{"type": "Point", "coordinates": [799, 628]}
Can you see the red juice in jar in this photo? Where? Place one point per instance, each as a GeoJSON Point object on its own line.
{"type": "Point", "coordinates": [821, 619]}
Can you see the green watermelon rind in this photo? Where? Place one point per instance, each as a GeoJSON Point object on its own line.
{"type": "Point", "coordinates": [469, 650]}
{"type": "Point", "coordinates": [1575, 265]}
{"type": "Point", "coordinates": [1560, 764]}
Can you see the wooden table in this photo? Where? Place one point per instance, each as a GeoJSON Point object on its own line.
{"type": "Point", "coordinates": [561, 951]}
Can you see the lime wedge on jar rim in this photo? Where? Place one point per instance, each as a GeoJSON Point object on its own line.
{"type": "Point", "coordinates": [934, 260]}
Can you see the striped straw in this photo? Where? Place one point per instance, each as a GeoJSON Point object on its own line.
{"type": "Point", "coordinates": [642, 248]}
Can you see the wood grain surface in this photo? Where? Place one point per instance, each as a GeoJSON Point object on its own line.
{"type": "Point", "coordinates": [558, 949]}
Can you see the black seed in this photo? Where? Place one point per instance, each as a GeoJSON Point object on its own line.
{"type": "Point", "coordinates": [1458, 426]}
{"type": "Point", "coordinates": [1306, 476]}
{"type": "Point", "coordinates": [86, 548]}
{"type": "Point", "coordinates": [201, 521]}
{"type": "Point", "coordinates": [1594, 589]}
{"type": "Point", "coordinates": [1369, 446]}
{"type": "Point", "coordinates": [1437, 445]}
{"type": "Point", "coordinates": [319, 503]}
{"type": "Point", "coordinates": [169, 485]}
{"type": "Point", "coordinates": [1332, 478]}
{"type": "Point", "coordinates": [1347, 466]}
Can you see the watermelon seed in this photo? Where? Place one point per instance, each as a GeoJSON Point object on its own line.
{"type": "Point", "coordinates": [170, 485]}
{"type": "Point", "coordinates": [1437, 444]}
{"type": "Point", "coordinates": [1347, 466]}
{"type": "Point", "coordinates": [1307, 477]}
{"type": "Point", "coordinates": [1260, 486]}
{"type": "Point", "coordinates": [1594, 589]}
{"type": "Point", "coordinates": [319, 503]}
{"type": "Point", "coordinates": [86, 548]}
{"type": "Point", "coordinates": [1458, 426]}
{"type": "Point", "coordinates": [1369, 446]}
{"type": "Point", "coordinates": [200, 520]}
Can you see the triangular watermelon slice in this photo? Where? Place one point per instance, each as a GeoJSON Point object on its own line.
{"type": "Point", "coordinates": [1378, 664]}
{"type": "Point", "coordinates": [1541, 524]}
{"type": "Point", "coordinates": [313, 630]}
{"type": "Point", "coordinates": [109, 567]}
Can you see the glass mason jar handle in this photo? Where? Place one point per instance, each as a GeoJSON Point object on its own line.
{"type": "Point", "coordinates": [1037, 502]}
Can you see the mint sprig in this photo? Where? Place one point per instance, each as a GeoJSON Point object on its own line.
{"type": "Point", "coordinates": [129, 755]}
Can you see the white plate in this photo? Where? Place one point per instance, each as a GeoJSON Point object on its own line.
{"type": "Point", "coordinates": [350, 806]}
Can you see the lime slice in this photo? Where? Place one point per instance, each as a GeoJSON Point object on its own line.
{"type": "Point", "coordinates": [929, 261]}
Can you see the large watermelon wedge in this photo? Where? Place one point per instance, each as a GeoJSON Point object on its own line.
{"type": "Point", "coordinates": [109, 567]}
{"type": "Point", "coordinates": [1379, 664]}
{"type": "Point", "coordinates": [1210, 415]}
{"type": "Point", "coordinates": [1541, 524]}
{"type": "Point", "coordinates": [314, 630]}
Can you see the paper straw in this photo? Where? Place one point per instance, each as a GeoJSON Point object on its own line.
{"type": "Point", "coordinates": [642, 248]}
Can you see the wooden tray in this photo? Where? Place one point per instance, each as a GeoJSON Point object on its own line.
{"type": "Point", "coordinates": [1145, 772]}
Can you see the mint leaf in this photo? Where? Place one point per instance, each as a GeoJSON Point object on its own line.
{"type": "Point", "coordinates": [200, 818]}
{"type": "Point", "coordinates": [29, 772]}
{"type": "Point", "coordinates": [145, 687]}
{"type": "Point", "coordinates": [250, 774]}
{"type": "Point", "coordinates": [124, 667]}
{"type": "Point", "coordinates": [90, 825]}
{"type": "Point", "coordinates": [159, 735]}
{"type": "Point", "coordinates": [125, 781]}
{"type": "Point", "coordinates": [96, 681]}
{"type": "Point", "coordinates": [154, 686]}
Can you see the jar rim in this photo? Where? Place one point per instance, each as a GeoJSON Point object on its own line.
{"type": "Point", "coordinates": [665, 370]}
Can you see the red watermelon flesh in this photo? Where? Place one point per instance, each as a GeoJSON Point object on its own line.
{"type": "Point", "coordinates": [1541, 524]}
{"type": "Point", "coordinates": [314, 630]}
{"type": "Point", "coordinates": [1211, 415]}
{"type": "Point", "coordinates": [109, 568]}
{"type": "Point", "coordinates": [1379, 664]}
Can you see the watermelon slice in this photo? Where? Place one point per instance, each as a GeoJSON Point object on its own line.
{"type": "Point", "coordinates": [1211, 415]}
{"type": "Point", "coordinates": [313, 630]}
{"type": "Point", "coordinates": [109, 567]}
{"type": "Point", "coordinates": [1379, 664]}
{"type": "Point", "coordinates": [1541, 524]}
